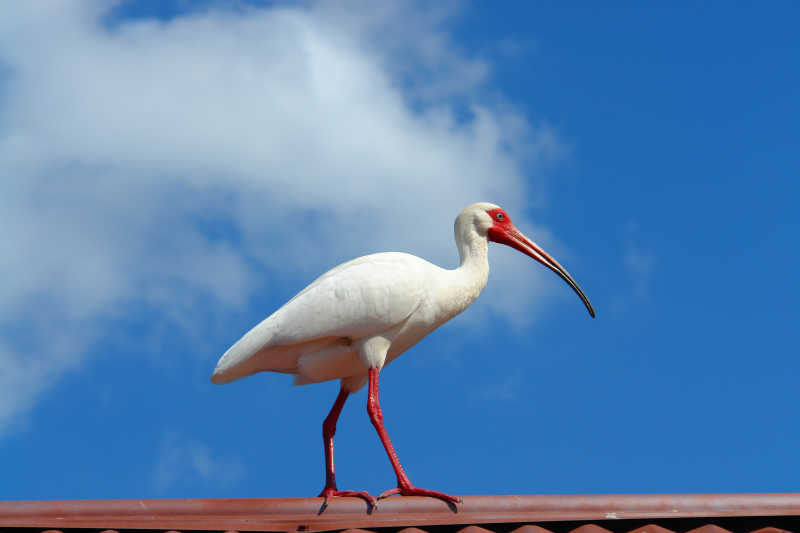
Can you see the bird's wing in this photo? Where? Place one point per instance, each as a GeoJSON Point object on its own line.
{"type": "Point", "coordinates": [360, 298]}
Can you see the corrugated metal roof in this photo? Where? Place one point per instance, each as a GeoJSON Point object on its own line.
{"type": "Point", "coordinates": [694, 513]}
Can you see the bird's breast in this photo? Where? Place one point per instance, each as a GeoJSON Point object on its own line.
{"type": "Point", "coordinates": [447, 294]}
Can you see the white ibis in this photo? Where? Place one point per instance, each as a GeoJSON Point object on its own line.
{"type": "Point", "coordinates": [353, 320]}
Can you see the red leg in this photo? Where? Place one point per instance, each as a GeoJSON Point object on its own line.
{"type": "Point", "coordinates": [328, 431]}
{"type": "Point", "coordinates": [404, 486]}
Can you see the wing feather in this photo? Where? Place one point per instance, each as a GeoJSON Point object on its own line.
{"type": "Point", "coordinates": [358, 299]}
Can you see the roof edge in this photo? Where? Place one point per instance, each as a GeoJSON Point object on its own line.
{"type": "Point", "coordinates": [307, 514]}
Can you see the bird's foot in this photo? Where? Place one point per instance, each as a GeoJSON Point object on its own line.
{"type": "Point", "coordinates": [410, 490]}
{"type": "Point", "coordinates": [333, 492]}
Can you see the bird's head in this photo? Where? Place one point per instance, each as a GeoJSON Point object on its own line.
{"type": "Point", "coordinates": [497, 225]}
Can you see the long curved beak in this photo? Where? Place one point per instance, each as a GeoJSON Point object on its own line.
{"type": "Point", "coordinates": [514, 238]}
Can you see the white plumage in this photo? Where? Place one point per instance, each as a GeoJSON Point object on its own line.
{"type": "Point", "coordinates": [361, 315]}
{"type": "Point", "coordinates": [324, 332]}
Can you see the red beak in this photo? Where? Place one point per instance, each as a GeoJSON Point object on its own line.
{"type": "Point", "coordinates": [514, 238]}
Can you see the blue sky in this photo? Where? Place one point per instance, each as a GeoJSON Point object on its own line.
{"type": "Point", "coordinates": [173, 172]}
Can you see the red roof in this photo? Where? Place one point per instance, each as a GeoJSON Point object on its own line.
{"type": "Point", "coordinates": [711, 513]}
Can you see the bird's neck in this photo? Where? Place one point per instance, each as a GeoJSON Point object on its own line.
{"type": "Point", "coordinates": [456, 289]}
{"type": "Point", "coordinates": [474, 268]}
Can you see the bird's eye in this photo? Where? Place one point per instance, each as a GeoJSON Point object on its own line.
{"type": "Point", "coordinates": [499, 216]}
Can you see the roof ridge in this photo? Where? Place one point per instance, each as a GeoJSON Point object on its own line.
{"type": "Point", "coordinates": [305, 514]}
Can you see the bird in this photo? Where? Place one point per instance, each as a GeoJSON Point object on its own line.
{"type": "Point", "coordinates": [353, 320]}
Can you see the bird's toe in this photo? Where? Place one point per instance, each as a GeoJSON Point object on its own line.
{"type": "Point", "coordinates": [415, 491]}
{"type": "Point", "coordinates": [329, 492]}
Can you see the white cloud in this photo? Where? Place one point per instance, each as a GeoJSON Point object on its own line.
{"type": "Point", "coordinates": [160, 163]}
{"type": "Point", "coordinates": [182, 461]}
{"type": "Point", "coordinates": [639, 262]}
